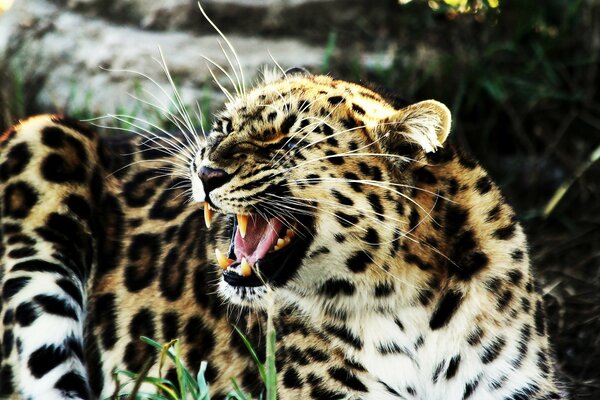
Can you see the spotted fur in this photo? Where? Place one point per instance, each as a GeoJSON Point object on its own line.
{"type": "Point", "coordinates": [411, 281]}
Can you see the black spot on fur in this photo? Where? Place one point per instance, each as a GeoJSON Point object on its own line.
{"type": "Point", "coordinates": [453, 367]}
{"type": "Point", "coordinates": [66, 166]}
{"type": "Point", "coordinates": [73, 244]}
{"type": "Point", "coordinates": [336, 287]}
{"type": "Point", "coordinates": [515, 276]}
{"type": "Point", "coordinates": [53, 137]}
{"type": "Point", "coordinates": [316, 354]}
{"type": "Point", "coordinates": [518, 255]}
{"type": "Point", "coordinates": [21, 239]}
{"type": "Point", "coordinates": [71, 290]}
{"type": "Point", "coordinates": [344, 335]}
{"type": "Point", "coordinates": [79, 206]}
{"type": "Point", "coordinates": [199, 338]}
{"type": "Point", "coordinates": [341, 198]}
{"type": "Point", "coordinates": [9, 317]}
{"type": "Point", "coordinates": [139, 190]}
{"type": "Point", "coordinates": [354, 184]}
{"type": "Point", "coordinates": [445, 310]}
{"type": "Point", "coordinates": [483, 185]}
{"type": "Point", "coordinates": [26, 314]}
{"type": "Point", "coordinates": [371, 237]}
{"type": "Point", "coordinates": [7, 343]}
{"type": "Point", "coordinates": [22, 252]}
{"type": "Point", "coordinates": [384, 289]}
{"type": "Point", "coordinates": [142, 255]}
{"type": "Point", "coordinates": [6, 381]}
{"type": "Point", "coordinates": [393, 348]}
{"type": "Point", "coordinates": [494, 213]}
{"type": "Point", "coordinates": [16, 160]}
{"type": "Point", "coordinates": [288, 122]}
{"type": "Point", "coordinates": [170, 326]}
{"type": "Point", "coordinates": [136, 352]}
{"type": "Point", "coordinates": [72, 385]}
{"type": "Point", "coordinates": [339, 238]}
{"type": "Point", "coordinates": [467, 161]}
{"type": "Point", "coordinates": [104, 316]}
{"type": "Point", "coordinates": [470, 387]}
{"type": "Point", "coordinates": [391, 390]}
{"type": "Point", "coordinates": [347, 379]}
{"type": "Point", "coordinates": [506, 233]}
{"type": "Point", "coordinates": [56, 305]}
{"type": "Point", "coordinates": [271, 116]}
{"type": "Point", "coordinates": [524, 338]}
{"type": "Point", "coordinates": [358, 109]}
{"type": "Point", "coordinates": [332, 141]}
{"type": "Point", "coordinates": [45, 359]}
{"type": "Point", "coordinates": [13, 286]}
{"type": "Point", "coordinates": [168, 205]}
{"type": "Point", "coordinates": [292, 379]}
{"type": "Point", "coordinates": [416, 260]}
{"type": "Point", "coordinates": [456, 218]}
{"type": "Point", "coordinates": [504, 300]}
{"type": "Point", "coordinates": [493, 350]}
{"type": "Point", "coordinates": [74, 124]}
{"type": "Point", "coordinates": [359, 261]}
{"type": "Point", "coordinates": [39, 266]}
{"type": "Point", "coordinates": [346, 220]}
{"type": "Point", "coordinates": [319, 392]}
{"type": "Point", "coordinates": [334, 100]}
{"type": "Point", "coordinates": [474, 337]}
{"type": "Point", "coordinates": [110, 244]}
{"type": "Point", "coordinates": [437, 371]}
{"type": "Point", "coordinates": [334, 158]}
{"type": "Point", "coordinates": [425, 176]}
{"type": "Point", "coordinates": [19, 199]}
{"type": "Point", "coordinates": [376, 205]}
{"type": "Point", "coordinates": [173, 274]}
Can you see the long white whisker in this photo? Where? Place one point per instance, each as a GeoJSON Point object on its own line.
{"type": "Point", "coordinates": [225, 91]}
{"type": "Point", "coordinates": [216, 28]}
{"type": "Point", "coordinates": [181, 107]}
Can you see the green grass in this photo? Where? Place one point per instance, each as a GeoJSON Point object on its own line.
{"type": "Point", "coordinates": [196, 387]}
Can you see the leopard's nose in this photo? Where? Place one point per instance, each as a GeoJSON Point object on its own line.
{"type": "Point", "coordinates": [212, 178]}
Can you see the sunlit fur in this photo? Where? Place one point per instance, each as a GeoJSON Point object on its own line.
{"type": "Point", "coordinates": [399, 234]}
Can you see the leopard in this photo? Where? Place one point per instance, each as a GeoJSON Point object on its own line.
{"type": "Point", "coordinates": [387, 260]}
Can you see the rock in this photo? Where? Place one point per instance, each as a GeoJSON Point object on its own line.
{"type": "Point", "coordinates": [92, 64]}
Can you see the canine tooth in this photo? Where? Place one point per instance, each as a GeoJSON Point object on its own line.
{"type": "Point", "coordinates": [223, 261]}
{"type": "Point", "coordinates": [290, 233]}
{"type": "Point", "coordinates": [242, 224]}
{"type": "Point", "coordinates": [280, 242]}
{"type": "Point", "coordinates": [245, 268]}
{"type": "Point", "coordinates": [208, 214]}
{"type": "Point", "coordinates": [287, 240]}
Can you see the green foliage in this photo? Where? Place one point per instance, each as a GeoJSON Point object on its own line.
{"type": "Point", "coordinates": [520, 80]}
{"type": "Point", "coordinates": [188, 386]}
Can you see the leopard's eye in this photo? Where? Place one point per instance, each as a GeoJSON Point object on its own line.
{"type": "Point", "coordinates": [291, 144]}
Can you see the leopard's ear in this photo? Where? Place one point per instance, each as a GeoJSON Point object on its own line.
{"type": "Point", "coordinates": [424, 125]}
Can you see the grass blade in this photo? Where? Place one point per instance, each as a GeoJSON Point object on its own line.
{"type": "Point", "coordinates": [259, 365]}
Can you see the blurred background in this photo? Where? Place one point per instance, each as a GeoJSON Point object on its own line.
{"type": "Point", "coordinates": [520, 76]}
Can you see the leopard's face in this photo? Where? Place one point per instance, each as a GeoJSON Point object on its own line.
{"type": "Point", "coordinates": [306, 174]}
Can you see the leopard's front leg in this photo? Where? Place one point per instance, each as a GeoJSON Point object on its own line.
{"type": "Point", "coordinates": [49, 182]}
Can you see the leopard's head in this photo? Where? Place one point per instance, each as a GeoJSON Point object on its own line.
{"type": "Point", "coordinates": [307, 174]}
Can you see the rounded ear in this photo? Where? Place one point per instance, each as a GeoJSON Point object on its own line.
{"type": "Point", "coordinates": [426, 123]}
{"type": "Point", "coordinates": [274, 74]}
{"type": "Point", "coordinates": [296, 71]}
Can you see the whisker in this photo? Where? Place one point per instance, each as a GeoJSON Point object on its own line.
{"type": "Point", "coordinates": [216, 28]}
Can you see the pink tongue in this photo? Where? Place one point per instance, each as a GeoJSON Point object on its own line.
{"type": "Point", "coordinates": [261, 236]}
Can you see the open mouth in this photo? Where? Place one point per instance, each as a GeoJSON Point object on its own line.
{"type": "Point", "coordinates": [261, 250]}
